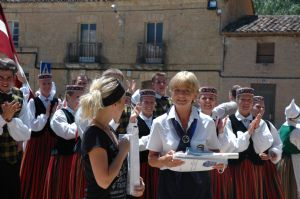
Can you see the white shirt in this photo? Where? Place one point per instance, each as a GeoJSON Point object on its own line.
{"type": "Point", "coordinates": [17, 129]}
{"type": "Point", "coordinates": [38, 123]}
{"type": "Point", "coordinates": [262, 137]}
{"type": "Point", "coordinates": [163, 136]}
{"type": "Point", "coordinates": [60, 125]}
{"type": "Point", "coordinates": [147, 120]}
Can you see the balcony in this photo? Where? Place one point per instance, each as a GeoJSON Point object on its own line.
{"type": "Point", "coordinates": [150, 53]}
{"type": "Point", "coordinates": [84, 52]}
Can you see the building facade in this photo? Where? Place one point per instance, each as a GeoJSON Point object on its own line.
{"type": "Point", "coordinates": [142, 36]}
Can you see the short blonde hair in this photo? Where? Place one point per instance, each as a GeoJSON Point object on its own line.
{"type": "Point", "coordinates": [186, 79]}
{"type": "Point", "coordinates": [92, 102]}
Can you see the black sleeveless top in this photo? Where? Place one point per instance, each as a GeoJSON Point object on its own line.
{"type": "Point", "coordinates": [249, 153]}
{"type": "Point", "coordinates": [40, 109]}
{"type": "Point", "coordinates": [63, 146]}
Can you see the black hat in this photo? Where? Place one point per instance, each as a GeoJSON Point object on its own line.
{"type": "Point", "coordinates": [8, 64]}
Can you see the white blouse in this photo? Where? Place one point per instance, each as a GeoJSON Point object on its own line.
{"type": "Point", "coordinates": [163, 136]}
{"type": "Point", "coordinates": [262, 137]}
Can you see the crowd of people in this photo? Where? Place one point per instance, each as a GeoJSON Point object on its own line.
{"type": "Point", "coordinates": [77, 147]}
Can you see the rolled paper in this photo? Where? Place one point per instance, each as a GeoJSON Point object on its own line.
{"type": "Point", "coordinates": [134, 158]}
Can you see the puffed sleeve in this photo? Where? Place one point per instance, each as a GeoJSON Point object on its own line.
{"type": "Point", "coordinates": [277, 144]}
{"type": "Point", "coordinates": [61, 127]}
{"type": "Point", "coordinates": [262, 138]}
{"type": "Point", "coordinates": [36, 124]}
{"type": "Point", "coordinates": [155, 142]}
{"type": "Point", "coordinates": [231, 143]}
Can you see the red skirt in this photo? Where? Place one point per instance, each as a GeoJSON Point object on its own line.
{"type": "Point", "coordinates": [272, 181]}
{"type": "Point", "coordinates": [247, 180]}
{"type": "Point", "coordinates": [77, 182]}
{"type": "Point", "coordinates": [221, 184]}
{"type": "Point", "coordinates": [150, 176]}
{"type": "Point", "coordinates": [34, 165]}
{"type": "Point", "coordinates": [58, 176]}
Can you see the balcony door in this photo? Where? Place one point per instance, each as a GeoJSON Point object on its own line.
{"type": "Point", "coordinates": [154, 43]}
{"type": "Point", "coordinates": [88, 46]}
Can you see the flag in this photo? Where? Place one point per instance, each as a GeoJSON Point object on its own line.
{"type": "Point", "coordinates": [7, 46]}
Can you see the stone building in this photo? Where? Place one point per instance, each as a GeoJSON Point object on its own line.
{"type": "Point", "coordinates": [211, 38]}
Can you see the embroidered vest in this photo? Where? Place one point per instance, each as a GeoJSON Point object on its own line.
{"type": "Point", "coordinates": [287, 146]}
{"type": "Point", "coordinates": [143, 131]}
{"type": "Point", "coordinates": [8, 146]}
{"type": "Point", "coordinates": [249, 153]}
{"type": "Point", "coordinates": [40, 109]}
{"type": "Point", "coordinates": [62, 146]}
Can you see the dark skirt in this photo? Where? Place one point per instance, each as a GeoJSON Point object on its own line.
{"type": "Point", "coordinates": [286, 173]}
{"type": "Point", "coordinates": [150, 177]}
{"type": "Point", "coordinates": [58, 176]}
{"type": "Point", "coordinates": [178, 185]}
{"type": "Point", "coordinates": [77, 183]}
{"type": "Point", "coordinates": [9, 181]}
{"type": "Point", "coordinates": [34, 165]}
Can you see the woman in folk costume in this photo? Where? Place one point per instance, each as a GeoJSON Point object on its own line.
{"type": "Point", "coordinates": [207, 102]}
{"type": "Point", "coordinates": [63, 125]}
{"type": "Point", "coordinates": [181, 127]}
{"type": "Point", "coordinates": [144, 121]}
{"type": "Point", "coordinates": [272, 181]}
{"type": "Point", "coordinates": [289, 166]}
{"type": "Point", "coordinates": [104, 156]}
{"type": "Point", "coordinates": [77, 182]}
{"type": "Point", "coordinates": [12, 130]}
{"type": "Point", "coordinates": [249, 136]}
{"type": "Point", "coordinates": [38, 149]}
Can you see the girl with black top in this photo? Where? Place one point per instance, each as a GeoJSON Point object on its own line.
{"type": "Point", "coordinates": [104, 156]}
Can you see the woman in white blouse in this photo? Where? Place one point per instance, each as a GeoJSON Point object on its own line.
{"type": "Point", "coordinates": [181, 127]}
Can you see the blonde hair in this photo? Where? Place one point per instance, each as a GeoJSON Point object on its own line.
{"type": "Point", "coordinates": [186, 79]}
{"type": "Point", "coordinates": [91, 102]}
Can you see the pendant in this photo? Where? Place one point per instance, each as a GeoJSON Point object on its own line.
{"type": "Point", "coordinates": [185, 139]}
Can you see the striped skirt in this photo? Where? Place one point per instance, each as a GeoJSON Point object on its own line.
{"type": "Point", "coordinates": [58, 176]}
{"type": "Point", "coordinates": [221, 184]}
{"type": "Point", "coordinates": [150, 177]}
{"type": "Point", "coordinates": [34, 165]}
{"type": "Point", "coordinates": [77, 182]}
{"type": "Point", "coordinates": [286, 173]}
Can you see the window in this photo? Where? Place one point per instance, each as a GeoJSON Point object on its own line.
{"type": "Point", "coordinates": [14, 30]}
{"type": "Point", "coordinates": [155, 33]}
{"type": "Point", "coordinates": [88, 33]}
{"type": "Point", "coordinates": [265, 53]}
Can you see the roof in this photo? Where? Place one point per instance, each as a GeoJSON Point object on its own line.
{"type": "Point", "coordinates": [265, 24]}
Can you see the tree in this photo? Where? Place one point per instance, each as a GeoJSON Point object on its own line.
{"type": "Point", "coordinates": [277, 7]}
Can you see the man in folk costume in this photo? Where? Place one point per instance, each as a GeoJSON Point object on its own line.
{"type": "Point", "coordinates": [12, 130]}
{"type": "Point", "coordinates": [272, 181]}
{"type": "Point", "coordinates": [160, 85]}
{"type": "Point", "coordinates": [144, 121]}
{"type": "Point", "coordinates": [38, 149]}
{"type": "Point", "coordinates": [289, 166]}
{"type": "Point", "coordinates": [63, 125]}
{"type": "Point", "coordinates": [249, 136]}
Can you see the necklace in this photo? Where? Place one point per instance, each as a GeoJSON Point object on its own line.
{"type": "Point", "coordinates": [107, 130]}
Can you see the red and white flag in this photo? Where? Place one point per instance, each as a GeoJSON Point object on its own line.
{"type": "Point", "coordinates": [7, 46]}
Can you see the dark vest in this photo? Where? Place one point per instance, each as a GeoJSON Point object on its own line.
{"type": "Point", "coordinates": [8, 146]}
{"type": "Point", "coordinates": [40, 109]}
{"type": "Point", "coordinates": [162, 106]}
{"type": "Point", "coordinates": [62, 146]}
{"type": "Point", "coordinates": [249, 153]}
{"type": "Point", "coordinates": [143, 131]}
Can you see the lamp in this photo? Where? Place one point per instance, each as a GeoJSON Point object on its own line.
{"type": "Point", "coordinates": [212, 4]}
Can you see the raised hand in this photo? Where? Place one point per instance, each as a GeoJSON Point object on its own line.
{"type": "Point", "coordinates": [9, 109]}
{"type": "Point", "coordinates": [221, 124]}
{"type": "Point", "coordinates": [131, 86]}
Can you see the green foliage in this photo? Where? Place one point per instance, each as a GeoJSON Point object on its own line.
{"type": "Point", "coordinates": [277, 7]}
